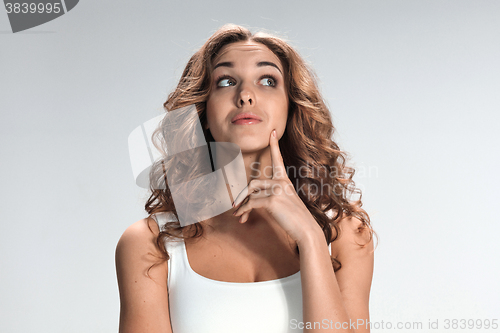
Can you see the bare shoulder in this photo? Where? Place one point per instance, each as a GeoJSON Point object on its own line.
{"type": "Point", "coordinates": [141, 234]}
{"type": "Point", "coordinates": [137, 246]}
{"type": "Point", "coordinates": [142, 279]}
{"type": "Point", "coordinates": [354, 249]}
{"type": "Point", "coordinates": [353, 237]}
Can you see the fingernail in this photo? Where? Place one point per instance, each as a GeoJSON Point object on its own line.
{"type": "Point", "coordinates": [274, 133]}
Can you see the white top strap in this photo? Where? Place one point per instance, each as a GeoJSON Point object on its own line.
{"type": "Point", "coordinates": [162, 218]}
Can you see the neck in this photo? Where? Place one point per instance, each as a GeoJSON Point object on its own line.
{"type": "Point", "coordinates": [258, 165]}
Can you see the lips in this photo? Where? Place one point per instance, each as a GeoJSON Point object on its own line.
{"type": "Point", "coordinates": [246, 115]}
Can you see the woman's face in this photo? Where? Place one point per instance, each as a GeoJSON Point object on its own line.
{"type": "Point", "coordinates": [247, 83]}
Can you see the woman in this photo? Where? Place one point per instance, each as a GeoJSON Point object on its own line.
{"type": "Point", "coordinates": [287, 258]}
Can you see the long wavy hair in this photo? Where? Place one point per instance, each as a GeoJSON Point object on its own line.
{"type": "Point", "coordinates": [306, 145]}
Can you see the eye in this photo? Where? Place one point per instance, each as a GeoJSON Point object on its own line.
{"type": "Point", "coordinates": [268, 81]}
{"type": "Point", "coordinates": [225, 81]}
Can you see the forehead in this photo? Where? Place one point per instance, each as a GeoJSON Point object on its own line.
{"type": "Point", "coordinates": [246, 51]}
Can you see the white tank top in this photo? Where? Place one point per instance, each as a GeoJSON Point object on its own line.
{"type": "Point", "coordinates": [199, 304]}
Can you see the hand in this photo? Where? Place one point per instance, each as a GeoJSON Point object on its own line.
{"type": "Point", "coordinates": [278, 198]}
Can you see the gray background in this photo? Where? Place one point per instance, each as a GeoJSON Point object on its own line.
{"type": "Point", "coordinates": [413, 87]}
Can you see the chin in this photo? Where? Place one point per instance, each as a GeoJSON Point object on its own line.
{"type": "Point", "coordinates": [252, 147]}
{"type": "Point", "coordinates": [248, 143]}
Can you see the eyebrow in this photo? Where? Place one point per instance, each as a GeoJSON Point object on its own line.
{"type": "Point", "coordinates": [259, 64]}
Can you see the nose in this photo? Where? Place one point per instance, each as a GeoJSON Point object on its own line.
{"type": "Point", "coordinates": [246, 97]}
{"type": "Point", "coordinates": [244, 100]}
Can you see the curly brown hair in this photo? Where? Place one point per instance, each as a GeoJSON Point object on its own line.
{"type": "Point", "coordinates": [306, 145]}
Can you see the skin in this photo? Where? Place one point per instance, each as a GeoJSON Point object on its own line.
{"type": "Point", "coordinates": [247, 87]}
{"type": "Point", "coordinates": [270, 219]}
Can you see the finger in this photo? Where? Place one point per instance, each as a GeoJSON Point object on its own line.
{"type": "Point", "coordinates": [279, 171]}
{"type": "Point", "coordinates": [252, 204]}
{"type": "Point", "coordinates": [258, 194]}
{"type": "Point", "coordinates": [240, 197]}
{"type": "Point", "coordinates": [253, 186]}
{"type": "Point", "coordinates": [259, 185]}
{"type": "Point", "coordinates": [244, 217]}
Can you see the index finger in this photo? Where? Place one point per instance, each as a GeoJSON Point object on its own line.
{"type": "Point", "coordinates": [279, 171]}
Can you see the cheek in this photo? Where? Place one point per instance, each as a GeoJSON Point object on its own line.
{"type": "Point", "coordinates": [210, 112]}
{"type": "Point", "coordinates": [277, 100]}
{"type": "Point", "coordinates": [213, 106]}
{"type": "Point", "coordinates": [215, 118]}
{"type": "Point", "coordinates": [284, 110]}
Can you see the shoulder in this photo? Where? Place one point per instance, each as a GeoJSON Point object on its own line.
{"type": "Point", "coordinates": [354, 249]}
{"type": "Point", "coordinates": [137, 250]}
{"type": "Point", "coordinates": [353, 237]}
{"type": "Point", "coordinates": [137, 246]}
{"type": "Point", "coordinates": [142, 279]}
{"type": "Point", "coordinates": [141, 234]}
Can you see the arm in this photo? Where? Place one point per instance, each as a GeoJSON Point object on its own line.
{"type": "Point", "coordinates": [143, 298]}
{"type": "Point", "coordinates": [341, 297]}
{"type": "Point", "coordinates": [328, 298]}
